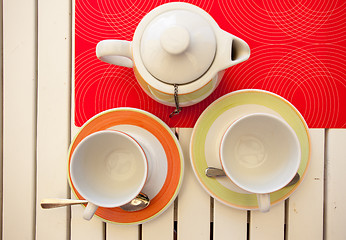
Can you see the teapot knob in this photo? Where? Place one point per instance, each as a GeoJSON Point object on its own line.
{"type": "Point", "coordinates": [175, 39]}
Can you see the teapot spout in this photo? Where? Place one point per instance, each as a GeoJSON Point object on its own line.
{"type": "Point", "coordinates": [240, 51]}
{"type": "Point", "coordinates": [232, 50]}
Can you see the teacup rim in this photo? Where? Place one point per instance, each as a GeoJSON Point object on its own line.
{"type": "Point", "coordinates": [288, 127]}
{"type": "Point", "coordinates": [97, 201]}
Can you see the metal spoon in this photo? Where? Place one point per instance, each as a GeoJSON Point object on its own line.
{"type": "Point", "coordinates": [139, 203]}
{"type": "Point", "coordinates": [214, 172]}
{"type": "Point", "coordinates": [217, 172]}
{"type": "Point", "coordinates": [54, 203]}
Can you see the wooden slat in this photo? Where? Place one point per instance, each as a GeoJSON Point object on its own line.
{"type": "Point", "coordinates": [193, 201]}
{"type": "Point", "coordinates": [270, 225]}
{"type": "Point", "coordinates": [19, 119]}
{"type": "Point", "coordinates": [121, 232]}
{"type": "Point", "coordinates": [229, 223]}
{"type": "Point", "coordinates": [83, 229]}
{"type": "Point", "coordinates": [161, 227]}
{"type": "Point", "coordinates": [80, 228]}
{"type": "Point", "coordinates": [53, 118]}
{"type": "Point", "coordinates": [335, 193]}
{"type": "Point", "coordinates": [305, 213]}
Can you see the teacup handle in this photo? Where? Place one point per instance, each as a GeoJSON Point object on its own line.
{"type": "Point", "coordinates": [117, 52]}
{"type": "Point", "coordinates": [263, 202]}
{"type": "Point", "coordinates": [89, 211]}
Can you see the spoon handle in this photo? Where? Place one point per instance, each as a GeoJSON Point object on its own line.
{"type": "Point", "coordinates": [54, 202]}
{"type": "Point", "coordinates": [217, 172]}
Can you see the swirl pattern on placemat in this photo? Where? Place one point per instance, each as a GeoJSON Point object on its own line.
{"type": "Point", "coordinates": [303, 19]}
{"type": "Point", "coordinates": [102, 19]}
{"type": "Point", "coordinates": [287, 21]}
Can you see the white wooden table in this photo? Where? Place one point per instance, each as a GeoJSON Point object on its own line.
{"type": "Point", "coordinates": [37, 127]}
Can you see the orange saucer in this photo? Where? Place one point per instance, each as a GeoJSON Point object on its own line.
{"type": "Point", "coordinates": [174, 155]}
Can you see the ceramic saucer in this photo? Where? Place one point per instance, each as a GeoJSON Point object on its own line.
{"type": "Point", "coordinates": [165, 159]}
{"type": "Point", "coordinates": [213, 122]}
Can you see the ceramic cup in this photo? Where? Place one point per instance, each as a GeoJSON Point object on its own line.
{"type": "Point", "coordinates": [260, 153]}
{"type": "Point", "coordinates": [109, 169]}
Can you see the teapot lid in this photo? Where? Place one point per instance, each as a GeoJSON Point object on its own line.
{"type": "Point", "coordinates": [178, 46]}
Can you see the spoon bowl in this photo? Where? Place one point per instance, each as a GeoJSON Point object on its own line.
{"type": "Point", "coordinates": [139, 203]}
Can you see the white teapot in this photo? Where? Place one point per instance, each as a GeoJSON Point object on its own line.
{"type": "Point", "coordinates": [178, 53]}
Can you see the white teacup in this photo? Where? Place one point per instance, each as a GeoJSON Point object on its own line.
{"type": "Point", "coordinates": [109, 169]}
{"type": "Point", "coordinates": [260, 153]}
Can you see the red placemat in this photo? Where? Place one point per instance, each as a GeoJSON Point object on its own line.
{"type": "Point", "coordinates": [297, 51]}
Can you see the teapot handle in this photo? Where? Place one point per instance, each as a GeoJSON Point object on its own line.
{"type": "Point", "coordinates": [233, 50]}
{"type": "Point", "coordinates": [117, 52]}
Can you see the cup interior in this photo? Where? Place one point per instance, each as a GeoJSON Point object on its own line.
{"type": "Point", "coordinates": [109, 168]}
{"type": "Point", "coordinates": [260, 153]}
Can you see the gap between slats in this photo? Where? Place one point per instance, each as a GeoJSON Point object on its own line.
{"type": "Point", "coordinates": [36, 117]}
{"type": "Point", "coordinates": [1, 114]}
{"type": "Point", "coordinates": [176, 203]}
{"type": "Point", "coordinates": [175, 219]}
{"type": "Point", "coordinates": [325, 189]}
{"type": "Point", "coordinates": [71, 70]}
